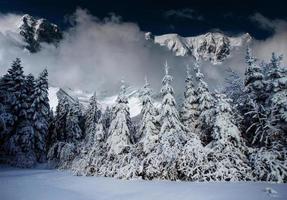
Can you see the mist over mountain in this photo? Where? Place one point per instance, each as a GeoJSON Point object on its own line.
{"type": "Point", "coordinates": [97, 53]}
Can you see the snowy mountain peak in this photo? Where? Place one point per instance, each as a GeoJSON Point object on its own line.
{"type": "Point", "coordinates": [213, 47]}
{"type": "Point", "coordinates": [35, 31]}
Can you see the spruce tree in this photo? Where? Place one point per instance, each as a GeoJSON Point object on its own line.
{"type": "Point", "coordinates": [205, 104]}
{"type": "Point", "coordinates": [254, 78]}
{"type": "Point", "coordinates": [120, 138]}
{"type": "Point", "coordinates": [20, 144]}
{"type": "Point", "coordinates": [92, 149]}
{"type": "Point", "coordinates": [255, 97]}
{"type": "Point", "coordinates": [41, 113]}
{"type": "Point", "coordinates": [67, 133]}
{"type": "Point", "coordinates": [227, 155]}
{"type": "Point", "coordinates": [73, 123]}
{"type": "Point", "coordinates": [106, 118]}
{"type": "Point", "coordinates": [277, 88]}
{"type": "Point", "coordinates": [189, 112]}
{"type": "Point", "coordinates": [92, 116]}
{"type": "Point", "coordinates": [269, 154]}
{"type": "Point", "coordinates": [149, 127]}
{"type": "Point", "coordinates": [163, 161]}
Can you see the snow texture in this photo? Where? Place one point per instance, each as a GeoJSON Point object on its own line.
{"type": "Point", "coordinates": [35, 184]}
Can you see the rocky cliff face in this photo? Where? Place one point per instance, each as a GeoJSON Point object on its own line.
{"type": "Point", "coordinates": [36, 31]}
{"type": "Point", "coordinates": [213, 47]}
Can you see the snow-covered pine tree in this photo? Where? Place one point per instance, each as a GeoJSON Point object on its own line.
{"type": "Point", "coordinates": [163, 161]}
{"type": "Point", "coordinates": [67, 133]}
{"type": "Point", "coordinates": [120, 138]}
{"type": "Point", "coordinates": [58, 133]}
{"type": "Point", "coordinates": [106, 118]}
{"type": "Point", "coordinates": [92, 150]}
{"type": "Point", "coordinates": [269, 155]}
{"type": "Point", "coordinates": [269, 163]}
{"type": "Point", "coordinates": [194, 162]}
{"type": "Point", "coordinates": [73, 122]}
{"type": "Point", "coordinates": [15, 83]}
{"type": "Point", "coordinates": [193, 159]}
{"type": "Point", "coordinates": [277, 88]}
{"type": "Point", "coordinates": [6, 120]}
{"type": "Point", "coordinates": [92, 118]}
{"type": "Point", "coordinates": [41, 113]}
{"type": "Point", "coordinates": [20, 143]}
{"type": "Point", "coordinates": [205, 104]}
{"type": "Point", "coordinates": [149, 127]}
{"type": "Point", "coordinates": [189, 111]}
{"type": "Point", "coordinates": [205, 99]}
{"type": "Point", "coordinates": [234, 88]}
{"type": "Point", "coordinates": [255, 96]}
{"type": "Point", "coordinates": [118, 159]}
{"type": "Point", "coordinates": [227, 148]}
{"type": "Point", "coordinates": [30, 86]}
{"type": "Point", "coordinates": [254, 83]}
{"type": "Point", "coordinates": [91, 158]}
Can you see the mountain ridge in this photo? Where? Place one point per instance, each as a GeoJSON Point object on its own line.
{"type": "Point", "coordinates": [214, 47]}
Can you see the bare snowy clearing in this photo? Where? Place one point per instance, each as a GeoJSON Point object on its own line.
{"type": "Point", "coordinates": [30, 184]}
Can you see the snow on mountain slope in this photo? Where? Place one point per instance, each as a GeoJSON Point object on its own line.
{"type": "Point", "coordinates": [44, 184]}
{"type": "Point", "coordinates": [213, 47]}
{"type": "Point", "coordinates": [35, 31]}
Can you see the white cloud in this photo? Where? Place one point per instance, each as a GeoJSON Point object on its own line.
{"type": "Point", "coordinates": [95, 54]}
{"type": "Point", "coordinates": [9, 23]}
{"type": "Point", "coordinates": [277, 42]}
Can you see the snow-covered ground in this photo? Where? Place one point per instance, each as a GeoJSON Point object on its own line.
{"type": "Point", "coordinates": [35, 184]}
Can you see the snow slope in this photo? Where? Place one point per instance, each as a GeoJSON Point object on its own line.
{"type": "Point", "coordinates": [35, 184]}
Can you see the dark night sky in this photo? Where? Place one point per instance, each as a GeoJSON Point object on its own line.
{"type": "Point", "coordinates": [162, 17]}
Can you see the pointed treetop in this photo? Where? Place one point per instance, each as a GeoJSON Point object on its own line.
{"type": "Point", "coordinates": [166, 68]}
{"type": "Point", "coordinates": [123, 86]}
{"type": "Point", "coordinates": [43, 74]}
{"type": "Point", "coordinates": [122, 94]}
{"type": "Point", "coordinates": [17, 61]}
{"type": "Point", "coordinates": [146, 80]}
{"type": "Point", "coordinates": [93, 98]}
{"type": "Point", "coordinates": [167, 79]}
{"type": "Point", "coordinates": [249, 56]}
{"type": "Point", "coordinates": [16, 64]}
{"type": "Point", "coordinates": [199, 76]}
